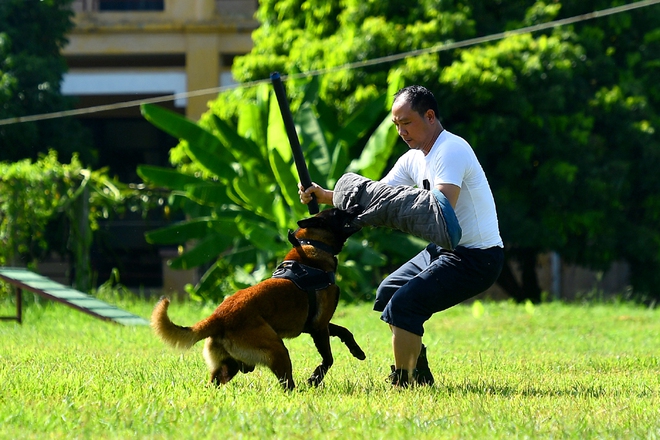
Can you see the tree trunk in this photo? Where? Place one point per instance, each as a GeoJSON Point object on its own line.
{"type": "Point", "coordinates": [529, 288]}
{"type": "Point", "coordinates": [509, 283]}
{"type": "Point", "coordinates": [530, 281]}
{"type": "Point", "coordinates": [80, 242]}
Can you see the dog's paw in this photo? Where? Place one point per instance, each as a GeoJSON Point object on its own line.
{"type": "Point", "coordinates": [314, 380]}
{"type": "Point", "coordinates": [317, 377]}
{"type": "Point", "coordinates": [357, 352]}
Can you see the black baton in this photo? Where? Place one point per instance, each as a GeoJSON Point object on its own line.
{"type": "Point", "coordinates": [301, 166]}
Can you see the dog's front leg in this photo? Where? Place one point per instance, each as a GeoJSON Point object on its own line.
{"type": "Point", "coordinates": [347, 338]}
{"type": "Point", "coordinates": [322, 342]}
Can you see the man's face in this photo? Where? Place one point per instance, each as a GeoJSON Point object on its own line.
{"type": "Point", "coordinates": [417, 131]}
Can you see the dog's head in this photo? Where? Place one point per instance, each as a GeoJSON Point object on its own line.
{"type": "Point", "coordinates": [332, 226]}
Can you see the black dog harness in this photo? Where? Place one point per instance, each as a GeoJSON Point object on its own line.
{"type": "Point", "coordinates": [307, 278]}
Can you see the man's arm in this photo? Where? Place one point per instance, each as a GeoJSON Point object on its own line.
{"type": "Point", "coordinates": [451, 192]}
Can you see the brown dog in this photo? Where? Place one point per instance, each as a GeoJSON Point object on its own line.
{"type": "Point", "coordinates": [248, 327]}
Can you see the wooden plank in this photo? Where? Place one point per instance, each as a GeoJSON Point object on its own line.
{"type": "Point", "coordinates": [24, 279]}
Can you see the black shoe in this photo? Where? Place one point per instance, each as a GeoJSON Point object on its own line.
{"type": "Point", "coordinates": [422, 374]}
{"type": "Point", "coordinates": [398, 378]}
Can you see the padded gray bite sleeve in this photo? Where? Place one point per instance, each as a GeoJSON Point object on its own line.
{"type": "Point", "coordinates": [422, 213]}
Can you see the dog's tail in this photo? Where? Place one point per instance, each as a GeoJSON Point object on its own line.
{"type": "Point", "coordinates": [173, 334]}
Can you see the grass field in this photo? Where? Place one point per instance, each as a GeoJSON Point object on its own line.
{"type": "Point", "coordinates": [502, 371]}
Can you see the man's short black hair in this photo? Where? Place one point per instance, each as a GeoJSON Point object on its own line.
{"type": "Point", "coordinates": [420, 98]}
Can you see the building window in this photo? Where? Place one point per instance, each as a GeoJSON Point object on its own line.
{"type": "Point", "coordinates": [131, 5]}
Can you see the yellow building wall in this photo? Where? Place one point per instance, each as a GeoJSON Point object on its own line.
{"type": "Point", "coordinates": [202, 30]}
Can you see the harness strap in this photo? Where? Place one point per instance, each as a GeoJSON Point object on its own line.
{"type": "Point", "coordinates": [307, 278]}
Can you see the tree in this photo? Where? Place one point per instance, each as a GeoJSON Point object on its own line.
{"type": "Point", "coordinates": [570, 121]}
{"type": "Point", "coordinates": [32, 34]}
{"type": "Point", "coordinates": [559, 118]}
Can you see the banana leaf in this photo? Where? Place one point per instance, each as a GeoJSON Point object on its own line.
{"type": "Point", "coordinates": [287, 181]}
{"type": "Point", "coordinates": [245, 150]}
{"type": "Point", "coordinates": [362, 121]}
{"type": "Point", "coordinates": [340, 161]}
{"type": "Point", "coordinates": [316, 146]}
{"type": "Point", "coordinates": [167, 177]}
{"type": "Point", "coordinates": [255, 198]}
{"type": "Point", "coordinates": [282, 214]}
{"type": "Point", "coordinates": [211, 162]}
{"type": "Point", "coordinates": [277, 137]}
{"type": "Point", "coordinates": [202, 145]}
{"type": "Point", "coordinates": [263, 236]}
{"type": "Point", "coordinates": [253, 118]}
{"type": "Point", "coordinates": [374, 156]}
{"type": "Point", "coordinates": [209, 194]}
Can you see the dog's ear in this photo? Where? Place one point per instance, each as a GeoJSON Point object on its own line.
{"type": "Point", "coordinates": [334, 218]}
{"type": "Point", "coordinates": [310, 222]}
{"type": "Point", "coordinates": [293, 239]}
{"type": "Point", "coordinates": [347, 218]}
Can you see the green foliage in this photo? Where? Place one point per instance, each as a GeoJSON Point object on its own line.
{"type": "Point", "coordinates": [293, 39]}
{"type": "Point", "coordinates": [30, 195]}
{"type": "Point", "coordinates": [244, 196]}
{"type": "Point", "coordinates": [564, 121]}
{"type": "Point", "coordinates": [33, 194]}
{"type": "Point", "coordinates": [32, 35]}
{"type": "Point", "coordinates": [548, 111]}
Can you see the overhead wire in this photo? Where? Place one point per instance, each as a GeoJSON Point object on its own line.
{"type": "Point", "coordinates": [440, 47]}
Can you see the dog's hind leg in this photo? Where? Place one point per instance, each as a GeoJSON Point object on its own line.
{"type": "Point", "coordinates": [279, 363]}
{"type": "Point", "coordinates": [322, 341]}
{"type": "Point", "coordinates": [221, 365]}
{"type": "Point", "coordinates": [347, 338]}
{"type": "Point", "coordinates": [262, 345]}
{"type": "Point", "coordinates": [225, 372]}
{"type": "Point", "coordinates": [281, 367]}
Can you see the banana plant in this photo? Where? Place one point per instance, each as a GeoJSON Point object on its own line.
{"type": "Point", "coordinates": [244, 197]}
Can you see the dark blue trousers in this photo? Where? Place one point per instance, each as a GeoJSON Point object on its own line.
{"type": "Point", "coordinates": [434, 280]}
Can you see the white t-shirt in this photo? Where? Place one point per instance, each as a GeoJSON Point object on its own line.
{"type": "Point", "coordinates": [452, 161]}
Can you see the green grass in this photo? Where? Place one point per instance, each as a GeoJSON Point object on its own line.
{"type": "Point", "coordinates": [502, 371]}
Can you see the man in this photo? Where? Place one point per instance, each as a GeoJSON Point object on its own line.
{"type": "Point", "coordinates": [436, 278]}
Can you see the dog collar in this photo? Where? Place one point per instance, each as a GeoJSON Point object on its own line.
{"type": "Point", "coordinates": [295, 241]}
{"type": "Point", "coordinates": [319, 245]}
